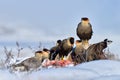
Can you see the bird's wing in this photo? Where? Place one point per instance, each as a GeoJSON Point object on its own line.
{"type": "Point", "coordinates": [78, 26]}
{"type": "Point", "coordinates": [91, 28]}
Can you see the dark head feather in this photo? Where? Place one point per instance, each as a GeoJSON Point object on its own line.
{"type": "Point", "coordinates": [84, 19]}
{"type": "Point", "coordinates": [71, 40]}
{"type": "Point", "coordinates": [105, 40]}
{"type": "Point", "coordinates": [38, 52]}
{"type": "Point", "coordinates": [78, 40]}
{"type": "Point", "coordinates": [45, 49]}
{"type": "Point", "coordinates": [59, 41]}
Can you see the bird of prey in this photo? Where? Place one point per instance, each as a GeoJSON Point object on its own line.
{"type": "Point", "coordinates": [84, 31]}
{"type": "Point", "coordinates": [95, 51]}
{"type": "Point", "coordinates": [52, 54]}
{"type": "Point", "coordinates": [78, 53]}
{"type": "Point", "coordinates": [64, 48]}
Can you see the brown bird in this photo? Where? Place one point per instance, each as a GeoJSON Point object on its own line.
{"type": "Point", "coordinates": [84, 31]}
{"type": "Point", "coordinates": [52, 54]}
{"type": "Point", "coordinates": [78, 53]}
{"type": "Point", "coordinates": [95, 51]}
{"type": "Point", "coordinates": [33, 62]}
{"type": "Point", "coordinates": [79, 47]}
{"type": "Point", "coordinates": [64, 48]}
{"type": "Point", "coordinates": [45, 54]}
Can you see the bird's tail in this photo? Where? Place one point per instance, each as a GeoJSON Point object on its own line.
{"type": "Point", "coordinates": [85, 44]}
{"type": "Point", "coordinates": [18, 67]}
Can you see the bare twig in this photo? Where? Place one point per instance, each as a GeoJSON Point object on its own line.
{"type": "Point", "coordinates": [33, 49]}
{"type": "Point", "coordinates": [40, 45]}
{"type": "Point", "coordinates": [9, 55]}
{"type": "Point", "coordinates": [18, 49]}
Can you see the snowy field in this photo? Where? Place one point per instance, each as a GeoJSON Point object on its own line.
{"type": "Point", "coordinates": [94, 70]}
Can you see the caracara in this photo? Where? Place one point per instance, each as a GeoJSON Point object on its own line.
{"type": "Point", "coordinates": [95, 51]}
{"type": "Point", "coordinates": [78, 53]}
{"type": "Point", "coordinates": [32, 62]}
{"type": "Point", "coordinates": [52, 54]}
{"type": "Point", "coordinates": [84, 31]}
{"type": "Point", "coordinates": [65, 47]}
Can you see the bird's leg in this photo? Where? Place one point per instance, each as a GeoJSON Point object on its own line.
{"type": "Point", "coordinates": [62, 58]}
{"type": "Point", "coordinates": [85, 44]}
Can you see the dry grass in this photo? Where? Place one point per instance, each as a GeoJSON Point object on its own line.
{"type": "Point", "coordinates": [9, 54]}
{"type": "Point", "coordinates": [110, 55]}
{"type": "Point", "coordinates": [19, 49]}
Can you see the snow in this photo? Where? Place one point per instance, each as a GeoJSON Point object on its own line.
{"type": "Point", "coordinates": [103, 67]}
{"type": "Point", "coordinates": [94, 70]}
{"type": "Point", "coordinates": [5, 75]}
{"type": "Point", "coordinates": [112, 77]}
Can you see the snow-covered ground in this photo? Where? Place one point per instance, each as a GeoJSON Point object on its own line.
{"type": "Point", "coordinates": [94, 70]}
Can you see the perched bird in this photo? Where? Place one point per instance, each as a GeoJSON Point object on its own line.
{"type": "Point", "coordinates": [95, 51]}
{"type": "Point", "coordinates": [78, 53]}
{"type": "Point", "coordinates": [84, 31]}
{"type": "Point", "coordinates": [65, 47]}
{"type": "Point", "coordinates": [53, 50]}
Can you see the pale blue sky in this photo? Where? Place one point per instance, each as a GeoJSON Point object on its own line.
{"type": "Point", "coordinates": [49, 20]}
